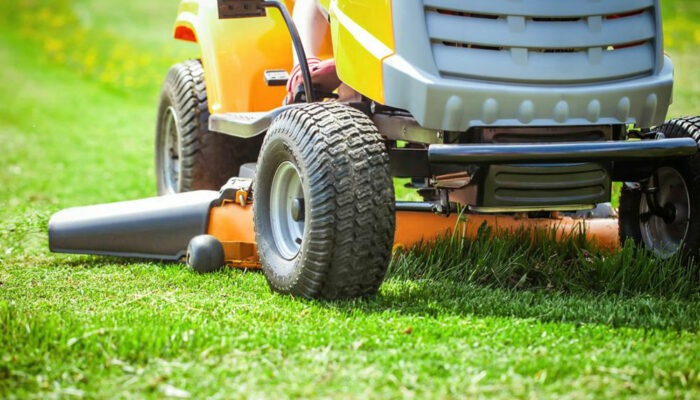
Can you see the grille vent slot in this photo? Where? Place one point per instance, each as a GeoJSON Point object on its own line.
{"type": "Point", "coordinates": [543, 41]}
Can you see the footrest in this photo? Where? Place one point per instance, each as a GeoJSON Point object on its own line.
{"type": "Point", "coordinates": [244, 125]}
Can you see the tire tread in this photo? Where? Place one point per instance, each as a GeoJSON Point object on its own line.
{"type": "Point", "coordinates": [352, 218]}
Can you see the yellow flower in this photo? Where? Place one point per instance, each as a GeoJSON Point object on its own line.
{"type": "Point", "coordinates": [59, 58]}
{"type": "Point", "coordinates": [52, 45]}
{"type": "Point", "coordinates": [89, 60]}
{"type": "Point", "coordinates": [107, 77]}
{"type": "Point", "coordinates": [129, 65]}
{"type": "Point", "coordinates": [43, 15]}
{"type": "Point", "coordinates": [58, 21]}
{"type": "Point", "coordinates": [668, 40]}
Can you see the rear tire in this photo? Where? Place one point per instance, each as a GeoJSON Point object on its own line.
{"type": "Point", "coordinates": [189, 156]}
{"type": "Point", "coordinates": [324, 203]}
{"type": "Point", "coordinates": [679, 186]}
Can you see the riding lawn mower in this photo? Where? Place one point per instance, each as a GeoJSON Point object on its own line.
{"type": "Point", "coordinates": [510, 113]}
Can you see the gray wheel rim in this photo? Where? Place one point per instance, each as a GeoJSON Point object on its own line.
{"type": "Point", "coordinates": [666, 239]}
{"type": "Point", "coordinates": [170, 149]}
{"type": "Point", "coordinates": [286, 232]}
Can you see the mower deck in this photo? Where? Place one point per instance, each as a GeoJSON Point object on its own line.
{"type": "Point", "coordinates": [161, 227]}
{"type": "Point", "coordinates": [232, 224]}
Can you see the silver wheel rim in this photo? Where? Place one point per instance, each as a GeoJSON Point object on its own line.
{"type": "Point", "coordinates": [665, 239]}
{"type": "Point", "coordinates": [286, 191]}
{"type": "Point", "coordinates": [171, 150]}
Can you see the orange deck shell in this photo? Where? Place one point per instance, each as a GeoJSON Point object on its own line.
{"type": "Point", "coordinates": [413, 227]}
{"type": "Point", "coordinates": [233, 226]}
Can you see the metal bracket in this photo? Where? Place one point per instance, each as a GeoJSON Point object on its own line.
{"type": "Point", "coordinates": [666, 212]}
{"type": "Point", "coordinates": [444, 207]}
{"type": "Point", "coordinates": [455, 180]}
{"type": "Point", "coordinates": [237, 190]}
{"type": "Point", "coordinates": [398, 127]}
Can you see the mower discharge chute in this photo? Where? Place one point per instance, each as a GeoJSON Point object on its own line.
{"type": "Point", "coordinates": [516, 114]}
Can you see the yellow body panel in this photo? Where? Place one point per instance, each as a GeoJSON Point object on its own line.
{"type": "Point", "coordinates": [363, 37]}
{"type": "Point", "coordinates": [236, 52]}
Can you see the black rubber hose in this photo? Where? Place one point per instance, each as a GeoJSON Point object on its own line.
{"type": "Point", "coordinates": [298, 46]}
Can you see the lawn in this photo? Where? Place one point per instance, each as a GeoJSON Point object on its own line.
{"type": "Point", "coordinates": [493, 318]}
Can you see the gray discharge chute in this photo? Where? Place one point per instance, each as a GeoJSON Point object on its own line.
{"type": "Point", "coordinates": [157, 228]}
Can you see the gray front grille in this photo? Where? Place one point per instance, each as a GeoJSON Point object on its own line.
{"type": "Point", "coordinates": [510, 135]}
{"type": "Point", "coordinates": [550, 185]}
{"type": "Point", "coordinates": [544, 41]}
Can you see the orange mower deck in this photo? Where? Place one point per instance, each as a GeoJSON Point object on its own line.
{"type": "Point", "coordinates": [232, 224]}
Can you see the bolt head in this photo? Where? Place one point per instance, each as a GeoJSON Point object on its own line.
{"type": "Point", "coordinates": [670, 213]}
{"type": "Point", "coordinates": [298, 209]}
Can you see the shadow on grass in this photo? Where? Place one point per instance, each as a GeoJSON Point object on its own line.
{"type": "Point", "coordinates": [433, 298]}
{"type": "Point", "coordinates": [523, 275]}
{"type": "Point", "coordinates": [89, 261]}
{"type": "Point", "coordinates": [528, 274]}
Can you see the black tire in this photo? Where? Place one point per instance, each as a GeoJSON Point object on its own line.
{"type": "Point", "coordinates": [200, 159]}
{"type": "Point", "coordinates": [349, 207]}
{"type": "Point", "coordinates": [630, 223]}
{"type": "Point", "coordinates": [205, 253]}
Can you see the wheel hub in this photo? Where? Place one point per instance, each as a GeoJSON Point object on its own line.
{"type": "Point", "coordinates": [298, 209]}
{"type": "Point", "coordinates": [287, 210]}
{"type": "Point", "coordinates": [669, 213]}
{"type": "Point", "coordinates": [665, 212]}
{"type": "Point", "coordinates": [171, 150]}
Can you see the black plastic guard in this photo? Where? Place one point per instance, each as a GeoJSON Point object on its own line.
{"type": "Point", "coordinates": [158, 228]}
{"type": "Point", "coordinates": [240, 8]}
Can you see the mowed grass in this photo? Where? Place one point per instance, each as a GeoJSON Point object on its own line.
{"type": "Point", "coordinates": [498, 318]}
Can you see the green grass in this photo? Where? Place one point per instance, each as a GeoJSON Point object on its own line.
{"type": "Point", "coordinates": [496, 318]}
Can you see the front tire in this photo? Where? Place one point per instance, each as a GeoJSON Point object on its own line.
{"type": "Point", "coordinates": [677, 230]}
{"type": "Point", "coordinates": [324, 203]}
